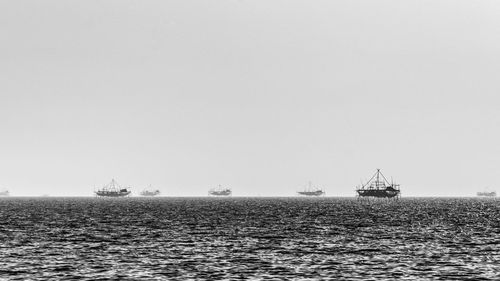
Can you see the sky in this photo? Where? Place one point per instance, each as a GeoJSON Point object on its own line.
{"type": "Point", "coordinates": [258, 96]}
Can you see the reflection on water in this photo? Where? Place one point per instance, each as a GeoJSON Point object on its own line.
{"type": "Point", "coordinates": [248, 238]}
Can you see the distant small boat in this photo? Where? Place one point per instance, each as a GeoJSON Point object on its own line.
{"type": "Point", "coordinates": [220, 191]}
{"type": "Point", "coordinates": [4, 193]}
{"type": "Point", "coordinates": [487, 194]}
{"type": "Point", "coordinates": [113, 189]}
{"type": "Point", "coordinates": [150, 192]}
{"type": "Point", "coordinates": [378, 187]}
{"type": "Point", "coordinates": [310, 191]}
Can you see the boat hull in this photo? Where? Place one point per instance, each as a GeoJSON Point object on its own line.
{"type": "Point", "coordinates": [378, 193]}
{"type": "Point", "coordinates": [149, 194]}
{"type": "Point", "coordinates": [220, 193]}
{"type": "Point", "coordinates": [112, 194]}
{"type": "Point", "coordinates": [311, 193]}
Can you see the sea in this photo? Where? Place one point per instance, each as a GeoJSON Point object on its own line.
{"type": "Point", "coordinates": [233, 238]}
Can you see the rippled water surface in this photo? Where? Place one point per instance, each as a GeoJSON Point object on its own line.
{"type": "Point", "coordinates": [248, 238]}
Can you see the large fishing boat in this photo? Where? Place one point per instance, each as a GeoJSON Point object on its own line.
{"type": "Point", "coordinates": [4, 193]}
{"type": "Point", "coordinates": [113, 189]}
{"type": "Point", "coordinates": [311, 191]}
{"type": "Point", "coordinates": [220, 191]}
{"type": "Point", "coordinates": [378, 187]}
{"type": "Point", "coordinates": [487, 194]}
{"type": "Point", "coordinates": [150, 192]}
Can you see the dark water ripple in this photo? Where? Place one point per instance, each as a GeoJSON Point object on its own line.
{"type": "Point", "coordinates": [248, 238]}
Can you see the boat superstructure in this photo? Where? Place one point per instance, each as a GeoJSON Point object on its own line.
{"type": "Point", "coordinates": [150, 192]}
{"type": "Point", "coordinates": [113, 189]}
{"type": "Point", "coordinates": [487, 194]}
{"type": "Point", "coordinates": [311, 191]}
{"type": "Point", "coordinates": [220, 191]}
{"type": "Point", "coordinates": [378, 187]}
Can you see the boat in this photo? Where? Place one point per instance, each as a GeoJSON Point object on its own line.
{"type": "Point", "coordinates": [310, 191]}
{"type": "Point", "coordinates": [4, 193]}
{"type": "Point", "coordinates": [487, 194]}
{"type": "Point", "coordinates": [378, 187]}
{"type": "Point", "coordinates": [149, 192]}
{"type": "Point", "coordinates": [113, 189]}
{"type": "Point", "coordinates": [220, 191]}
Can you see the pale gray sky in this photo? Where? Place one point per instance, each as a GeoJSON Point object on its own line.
{"type": "Point", "coordinates": [261, 96]}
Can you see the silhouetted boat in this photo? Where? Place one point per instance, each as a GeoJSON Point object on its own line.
{"type": "Point", "coordinates": [487, 194]}
{"type": "Point", "coordinates": [310, 191]}
{"type": "Point", "coordinates": [220, 191]}
{"type": "Point", "coordinates": [113, 189]}
{"type": "Point", "coordinates": [4, 193]}
{"type": "Point", "coordinates": [378, 187]}
{"type": "Point", "coordinates": [150, 192]}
